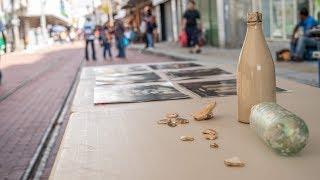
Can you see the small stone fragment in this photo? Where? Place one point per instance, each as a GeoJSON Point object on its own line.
{"type": "Point", "coordinates": [182, 121]}
{"type": "Point", "coordinates": [172, 123]}
{"type": "Point", "coordinates": [186, 138]}
{"type": "Point", "coordinates": [172, 120]}
{"type": "Point", "coordinates": [163, 121]}
{"type": "Point", "coordinates": [210, 136]}
{"type": "Point", "coordinates": [214, 145]}
{"type": "Point", "coordinates": [205, 113]}
{"type": "Point", "coordinates": [234, 162]}
{"type": "Point", "coordinates": [209, 131]}
{"type": "Point", "coordinates": [172, 115]}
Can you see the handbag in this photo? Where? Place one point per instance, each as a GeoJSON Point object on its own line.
{"type": "Point", "coordinates": [124, 42]}
{"type": "Point", "coordinates": [183, 39]}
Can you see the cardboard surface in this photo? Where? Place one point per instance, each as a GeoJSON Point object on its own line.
{"type": "Point", "coordinates": [124, 141]}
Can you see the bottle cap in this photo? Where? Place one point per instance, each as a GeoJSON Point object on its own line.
{"type": "Point", "coordinates": [253, 17]}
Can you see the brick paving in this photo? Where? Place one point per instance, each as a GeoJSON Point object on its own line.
{"type": "Point", "coordinates": [26, 114]}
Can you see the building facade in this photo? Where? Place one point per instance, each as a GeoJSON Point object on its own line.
{"type": "Point", "coordinates": [224, 21]}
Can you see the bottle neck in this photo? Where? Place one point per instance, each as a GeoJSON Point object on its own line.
{"type": "Point", "coordinates": [256, 26]}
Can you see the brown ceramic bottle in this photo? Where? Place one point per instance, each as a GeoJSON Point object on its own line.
{"type": "Point", "coordinates": [256, 80]}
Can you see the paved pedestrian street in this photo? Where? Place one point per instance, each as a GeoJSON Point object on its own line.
{"type": "Point", "coordinates": [34, 88]}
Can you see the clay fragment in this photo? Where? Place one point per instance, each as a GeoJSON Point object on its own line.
{"type": "Point", "coordinates": [163, 121]}
{"type": "Point", "coordinates": [186, 138]}
{"type": "Point", "coordinates": [172, 115]}
{"type": "Point", "coordinates": [234, 162]}
{"type": "Point", "coordinates": [210, 136]}
{"type": "Point", "coordinates": [205, 113]}
{"type": "Point", "coordinates": [214, 145]}
{"type": "Point", "coordinates": [209, 131]}
{"type": "Point", "coordinates": [182, 121]}
{"type": "Point", "coordinates": [172, 120]}
{"type": "Point", "coordinates": [172, 123]}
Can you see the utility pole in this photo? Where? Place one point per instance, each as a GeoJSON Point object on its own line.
{"type": "Point", "coordinates": [43, 21]}
{"type": "Point", "coordinates": [14, 22]}
{"type": "Point", "coordinates": [110, 13]}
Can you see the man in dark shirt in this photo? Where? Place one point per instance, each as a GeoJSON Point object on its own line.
{"type": "Point", "coordinates": [151, 26]}
{"type": "Point", "coordinates": [301, 40]}
{"type": "Point", "coordinates": [190, 24]}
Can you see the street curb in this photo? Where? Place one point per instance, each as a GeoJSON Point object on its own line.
{"type": "Point", "coordinates": [34, 163]}
{"type": "Point", "coordinates": [175, 57]}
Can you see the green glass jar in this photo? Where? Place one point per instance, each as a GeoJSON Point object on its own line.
{"type": "Point", "coordinates": [280, 129]}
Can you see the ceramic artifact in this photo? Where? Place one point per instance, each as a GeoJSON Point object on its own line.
{"type": "Point", "coordinates": [205, 113]}
{"type": "Point", "coordinates": [214, 145]}
{"type": "Point", "coordinates": [234, 162]}
{"type": "Point", "coordinates": [186, 138]}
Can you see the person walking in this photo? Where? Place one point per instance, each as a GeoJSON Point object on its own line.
{"type": "Point", "coordinates": [3, 45]}
{"type": "Point", "coordinates": [105, 40]}
{"type": "Point", "coordinates": [191, 24]}
{"type": "Point", "coordinates": [151, 26]}
{"type": "Point", "coordinates": [121, 40]}
{"type": "Point", "coordinates": [89, 29]}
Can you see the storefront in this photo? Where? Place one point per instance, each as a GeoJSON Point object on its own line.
{"type": "Point", "coordinates": [208, 10]}
{"type": "Point", "coordinates": [279, 18]}
{"type": "Point", "coordinates": [165, 19]}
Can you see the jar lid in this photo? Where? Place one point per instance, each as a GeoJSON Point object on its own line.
{"type": "Point", "coordinates": [253, 17]}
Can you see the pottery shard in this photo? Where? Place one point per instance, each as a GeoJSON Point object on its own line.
{"type": "Point", "coordinates": [214, 145]}
{"type": "Point", "coordinates": [210, 136]}
{"type": "Point", "coordinates": [234, 162]}
{"type": "Point", "coordinates": [182, 121]}
{"type": "Point", "coordinates": [163, 121]}
{"type": "Point", "coordinates": [172, 115]}
{"type": "Point", "coordinates": [172, 123]}
{"type": "Point", "coordinates": [209, 131]}
{"type": "Point", "coordinates": [205, 113]}
{"type": "Point", "coordinates": [186, 138]}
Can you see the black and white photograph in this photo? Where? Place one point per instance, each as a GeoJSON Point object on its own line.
{"type": "Point", "coordinates": [195, 74]}
{"type": "Point", "coordinates": [219, 88]}
{"type": "Point", "coordinates": [173, 66]}
{"type": "Point", "coordinates": [110, 70]}
{"type": "Point", "coordinates": [128, 78]}
{"type": "Point", "coordinates": [136, 93]}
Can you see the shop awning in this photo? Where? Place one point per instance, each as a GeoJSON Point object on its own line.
{"type": "Point", "coordinates": [157, 2]}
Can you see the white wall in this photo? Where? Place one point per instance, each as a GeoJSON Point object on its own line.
{"type": "Point", "coordinates": [52, 7]}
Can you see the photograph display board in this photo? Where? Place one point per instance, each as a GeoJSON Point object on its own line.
{"type": "Point", "coordinates": [173, 66]}
{"type": "Point", "coordinates": [136, 93]}
{"type": "Point", "coordinates": [195, 73]}
{"type": "Point", "coordinates": [219, 88]}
